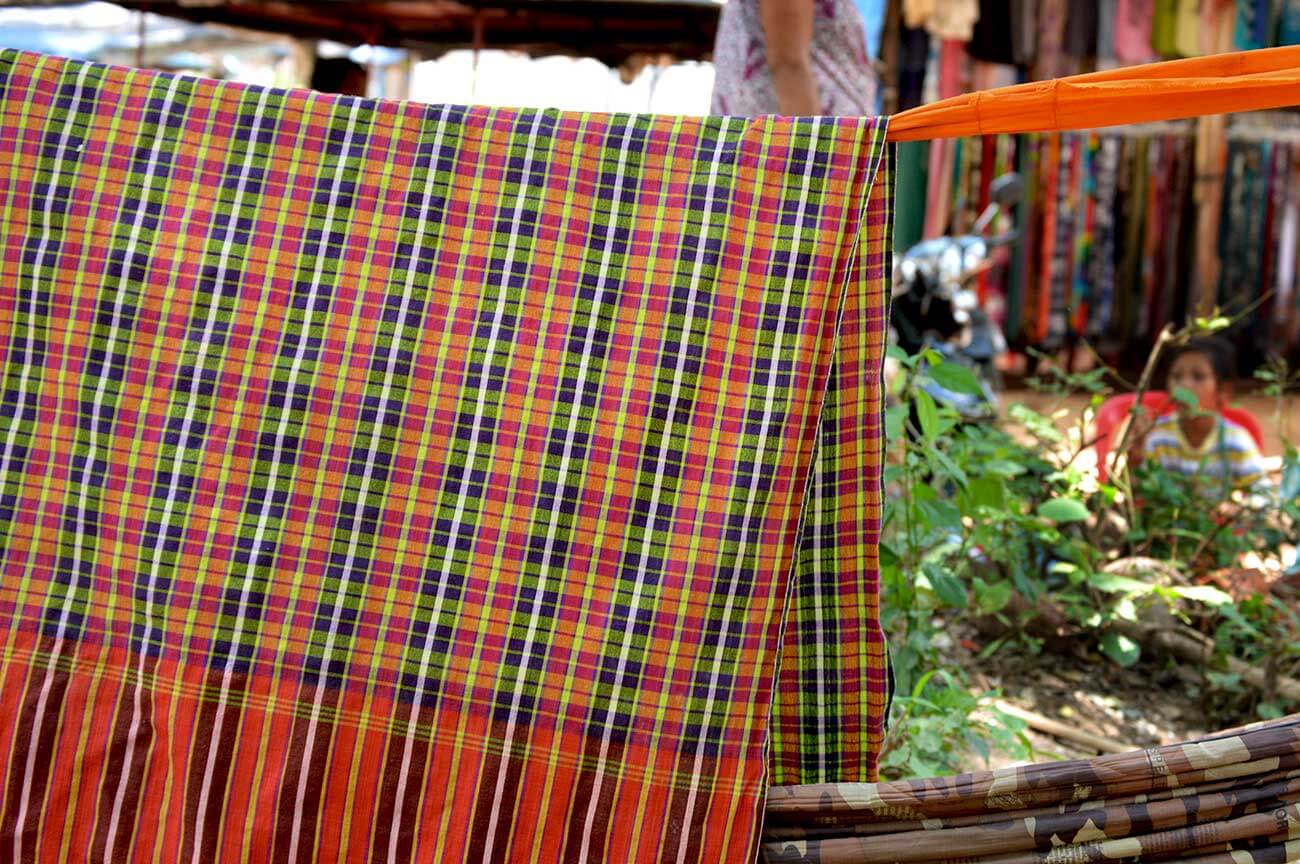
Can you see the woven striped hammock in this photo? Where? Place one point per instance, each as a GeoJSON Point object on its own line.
{"type": "Point", "coordinates": [1233, 798]}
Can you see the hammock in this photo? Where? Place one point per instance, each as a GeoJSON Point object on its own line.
{"type": "Point", "coordinates": [1229, 799]}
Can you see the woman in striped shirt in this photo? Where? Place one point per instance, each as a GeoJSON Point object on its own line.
{"type": "Point", "coordinates": [1198, 441]}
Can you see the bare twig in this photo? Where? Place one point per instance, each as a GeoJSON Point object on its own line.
{"type": "Point", "coordinates": [1083, 447]}
{"type": "Point", "coordinates": [1167, 336]}
{"type": "Point", "coordinates": [1127, 385]}
{"type": "Point", "coordinates": [1060, 730]}
{"type": "Point", "coordinates": [1205, 543]}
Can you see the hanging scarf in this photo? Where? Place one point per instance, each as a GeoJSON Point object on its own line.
{"type": "Point", "coordinates": [1103, 261]}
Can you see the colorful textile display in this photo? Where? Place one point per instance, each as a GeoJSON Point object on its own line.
{"type": "Point", "coordinates": [1115, 231]}
{"type": "Point", "coordinates": [1230, 799]}
{"type": "Point", "coordinates": [1052, 38]}
{"type": "Point", "coordinates": [384, 481]}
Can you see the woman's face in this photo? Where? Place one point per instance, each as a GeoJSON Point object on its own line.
{"type": "Point", "coordinates": [1195, 372]}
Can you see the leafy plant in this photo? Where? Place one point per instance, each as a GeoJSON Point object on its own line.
{"type": "Point", "coordinates": [989, 520]}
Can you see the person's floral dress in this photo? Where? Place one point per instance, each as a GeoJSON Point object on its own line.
{"type": "Point", "coordinates": [846, 82]}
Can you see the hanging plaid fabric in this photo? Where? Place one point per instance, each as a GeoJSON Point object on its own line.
{"type": "Point", "coordinates": [385, 481]}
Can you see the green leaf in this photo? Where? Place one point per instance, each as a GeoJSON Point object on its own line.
{"type": "Point", "coordinates": [1186, 397]}
{"type": "Point", "coordinates": [947, 587]}
{"type": "Point", "coordinates": [1290, 489]}
{"type": "Point", "coordinates": [987, 491]}
{"type": "Point", "coordinates": [1222, 680]}
{"type": "Point", "coordinates": [992, 598]}
{"type": "Point", "coordinates": [1113, 584]}
{"type": "Point", "coordinates": [1121, 649]}
{"type": "Point", "coordinates": [922, 491]}
{"type": "Point", "coordinates": [1185, 533]}
{"type": "Point", "coordinates": [1025, 584]}
{"type": "Point", "coordinates": [992, 648]}
{"type": "Point", "coordinates": [948, 420]}
{"type": "Point", "coordinates": [941, 514]}
{"type": "Point", "coordinates": [1126, 608]}
{"type": "Point", "coordinates": [1061, 510]}
{"type": "Point", "coordinates": [921, 682]}
{"type": "Point", "coordinates": [1265, 374]}
{"type": "Point", "coordinates": [1268, 711]}
{"type": "Point", "coordinates": [904, 661]}
{"type": "Point", "coordinates": [1036, 423]}
{"type": "Point", "coordinates": [893, 352]}
{"type": "Point", "coordinates": [1210, 325]}
{"type": "Point", "coordinates": [950, 467]}
{"type": "Point", "coordinates": [1004, 468]}
{"type": "Point", "coordinates": [958, 379]}
{"type": "Point", "coordinates": [1207, 594]}
{"type": "Point", "coordinates": [928, 415]}
{"type": "Point", "coordinates": [895, 417]}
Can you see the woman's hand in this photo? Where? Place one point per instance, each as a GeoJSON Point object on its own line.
{"type": "Point", "coordinates": [787, 27]}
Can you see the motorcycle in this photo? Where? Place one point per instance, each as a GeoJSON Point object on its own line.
{"type": "Point", "coordinates": [935, 305]}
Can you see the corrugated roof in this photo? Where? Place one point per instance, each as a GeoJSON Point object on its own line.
{"type": "Point", "coordinates": [609, 30]}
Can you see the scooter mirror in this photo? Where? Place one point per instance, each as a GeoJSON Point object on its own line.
{"type": "Point", "coordinates": [1006, 190]}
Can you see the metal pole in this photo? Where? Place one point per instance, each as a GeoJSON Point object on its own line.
{"type": "Point", "coordinates": [139, 42]}
{"type": "Point", "coordinates": [478, 47]}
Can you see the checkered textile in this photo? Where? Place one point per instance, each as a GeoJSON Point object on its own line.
{"type": "Point", "coordinates": [382, 481]}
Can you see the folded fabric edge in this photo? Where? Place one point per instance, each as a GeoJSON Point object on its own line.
{"type": "Point", "coordinates": [878, 147]}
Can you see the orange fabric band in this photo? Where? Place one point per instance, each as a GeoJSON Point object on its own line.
{"type": "Point", "coordinates": [1216, 84]}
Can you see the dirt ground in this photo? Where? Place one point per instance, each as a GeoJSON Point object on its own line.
{"type": "Point", "coordinates": [1144, 706]}
{"type": "Point", "coordinates": [1147, 705]}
